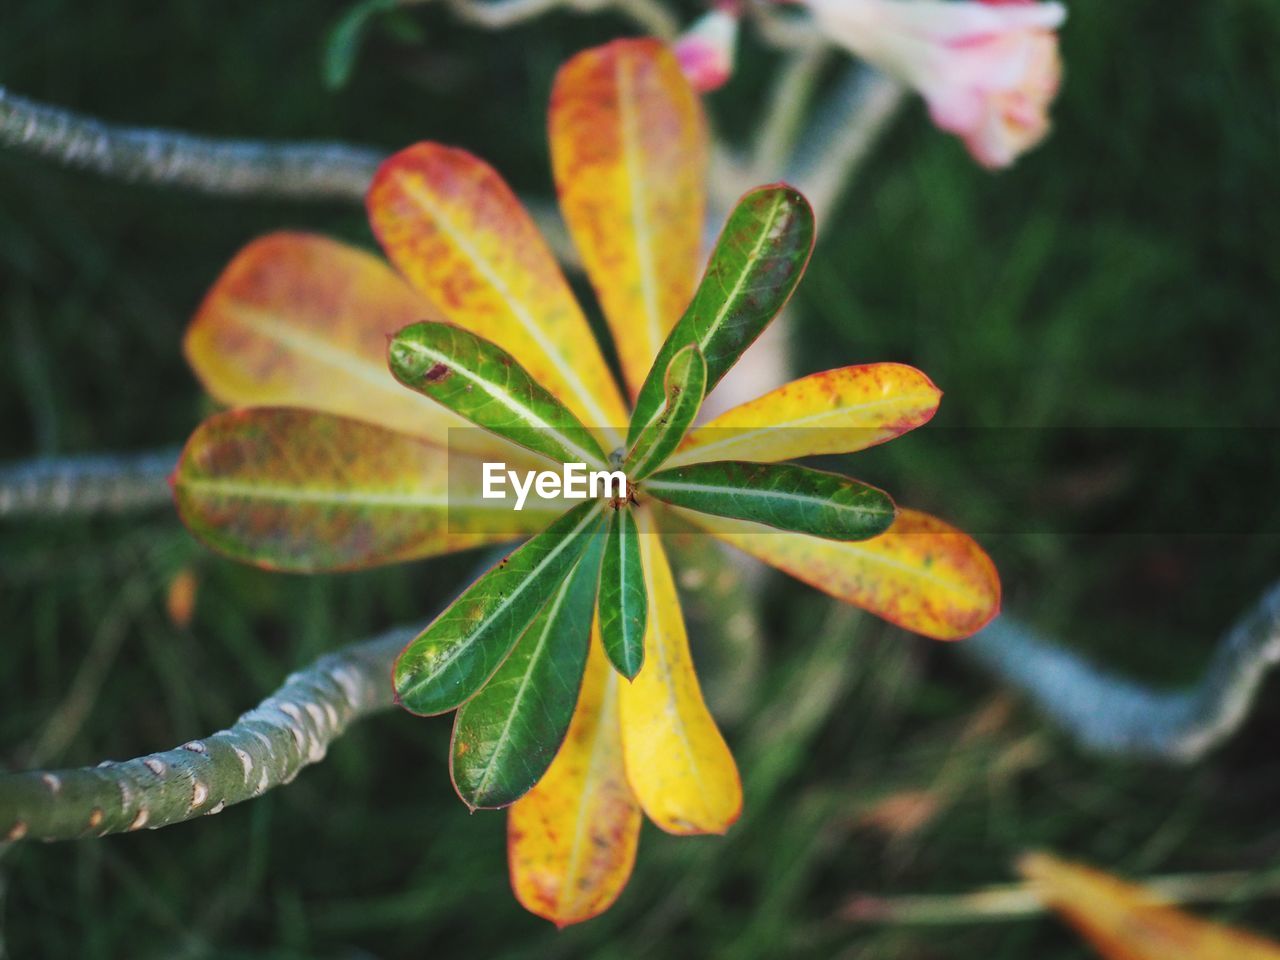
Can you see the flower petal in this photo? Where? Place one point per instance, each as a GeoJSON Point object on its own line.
{"type": "Point", "coordinates": [628, 148]}
{"type": "Point", "coordinates": [836, 411]}
{"type": "Point", "coordinates": [298, 320]}
{"type": "Point", "coordinates": [460, 236]}
{"type": "Point", "coordinates": [923, 575]}
{"type": "Point", "coordinates": [677, 761]}
{"type": "Point", "coordinates": [571, 840]}
{"type": "Point", "coordinates": [302, 491]}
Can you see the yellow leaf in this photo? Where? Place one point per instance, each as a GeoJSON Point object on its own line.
{"type": "Point", "coordinates": [628, 149]}
{"type": "Point", "coordinates": [298, 320]}
{"type": "Point", "coordinates": [923, 574]}
{"type": "Point", "coordinates": [1127, 922]}
{"type": "Point", "coordinates": [571, 840]}
{"type": "Point", "coordinates": [677, 762]}
{"type": "Point", "coordinates": [464, 240]}
{"type": "Point", "coordinates": [836, 411]}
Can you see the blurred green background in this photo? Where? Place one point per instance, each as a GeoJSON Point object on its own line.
{"type": "Point", "coordinates": [1123, 275]}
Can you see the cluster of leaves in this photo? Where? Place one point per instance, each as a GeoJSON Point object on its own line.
{"type": "Point", "coordinates": [298, 478]}
{"type": "Point", "coordinates": [540, 598]}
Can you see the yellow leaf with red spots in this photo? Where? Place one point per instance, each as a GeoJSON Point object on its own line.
{"type": "Point", "coordinates": [677, 761]}
{"type": "Point", "coordinates": [304, 491]}
{"type": "Point", "coordinates": [571, 840]}
{"type": "Point", "coordinates": [1128, 922]}
{"type": "Point", "coordinates": [836, 411]}
{"type": "Point", "coordinates": [463, 239]}
{"type": "Point", "coordinates": [298, 320]}
{"type": "Point", "coordinates": [629, 152]}
{"type": "Point", "coordinates": [923, 574]}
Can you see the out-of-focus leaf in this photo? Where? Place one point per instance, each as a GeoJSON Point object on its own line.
{"type": "Point", "coordinates": [480, 381]}
{"type": "Point", "coordinates": [754, 268]}
{"type": "Point", "coordinates": [343, 46]}
{"type": "Point", "coordinates": [1127, 922]}
{"type": "Point", "coordinates": [836, 411]}
{"type": "Point", "coordinates": [571, 840]}
{"type": "Point", "coordinates": [461, 237]}
{"type": "Point", "coordinates": [780, 495]}
{"type": "Point", "coordinates": [677, 762]}
{"type": "Point", "coordinates": [506, 736]}
{"type": "Point", "coordinates": [684, 386]}
{"type": "Point", "coordinates": [623, 605]}
{"type": "Point", "coordinates": [303, 491]}
{"type": "Point", "coordinates": [298, 320]}
{"type": "Point", "coordinates": [448, 663]}
{"type": "Point", "coordinates": [923, 574]}
{"type": "Point", "coordinates": [629, 153]}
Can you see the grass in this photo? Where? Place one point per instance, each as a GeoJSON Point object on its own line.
{"type": "Point", "coordinates": [1123, 276]}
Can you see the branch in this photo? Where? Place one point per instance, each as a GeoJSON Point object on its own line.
{"type": "Point", "coordinates": [785, 111]}
{"type": "Point", "coordinates": [265, 748]}
{"type": "Point", "coordinates": [845, 128]}
{"type": "Point", "coordinates": [1017, 901]}
{"type": "Point", "coordinates": [784, 31]}
{"type": "Point", "coordinates": [78, 486]}
{"type": "Point", "coordinates": [1109, 714]}
{"type": "Point", "coordinates": [246, 168]}
{"type": "Point", "coordinates": [651, 16]}
{"type": "Point", "coordinates": [298, 170]}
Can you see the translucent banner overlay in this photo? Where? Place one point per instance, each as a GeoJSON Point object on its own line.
{"type": "Point", "coordinates": [1092, 481]}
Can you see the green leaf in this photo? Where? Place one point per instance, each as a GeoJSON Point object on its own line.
{"type": "Point", "coordinates": [479, 380]}
{"type": "Point", "coordinates": [685, 385]}
{"type": "Point", "coordinates": [755, 266]}
{"type": "Point", "coordinates": [343, 45]}
{"type": "Point", "coordinates": [780, 495]}
{"type": "Point", "coordinates": [506, 736]}
{"type": "Point", "coordinates": [448, 663]}
{"type": "Point", "coordinates": [624, 603]}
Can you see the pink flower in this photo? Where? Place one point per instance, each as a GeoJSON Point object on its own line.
{"type": "Point", "coordinates": [988, 71]}
{"type": "Point", "coordinates": [706, 50]}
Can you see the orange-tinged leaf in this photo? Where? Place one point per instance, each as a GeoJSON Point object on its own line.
{"type": "Point", "coordinates": [923, 574]}
{"type": "Point", "coordinates": [571, 840]}
{"type": "Point", "coordinates": [1127, 922]}
{"type": "Point", "coordinates": [677, 761]}
{"type": "Point", "coordinates": [303, 491]}
{"type": "Point", "coordinates": [629, 151]}
{"type": "Point", "coordinates": [460, 236]}
{"type": "Point", "coordinates": [180, 598]}
{"type": "Point", "coordinates": [298, 320]}
{"type": "Point", "coordinates": [836, 411]}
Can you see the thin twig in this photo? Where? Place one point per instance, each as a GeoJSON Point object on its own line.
{"type": "Point", "coordinates": [79, 486]}
{"type": "Point", "coordinates": [785, 112]}
{"type": "Point", "coordinates": [265, 748]}
{"type": "Point", "coordinates": [845, 128]}
{"type": "Point", "coordinates": [784, 31]}
{"type": "Point", "coordinates": [651, 16]}
{"type": "Point", "coordinates": [1016, 901]}
{"type": "Point", "coordinates": [1110, 714]}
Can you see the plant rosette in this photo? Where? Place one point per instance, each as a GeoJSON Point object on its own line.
{"type": "Point", "coordinates": [568, 664]}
